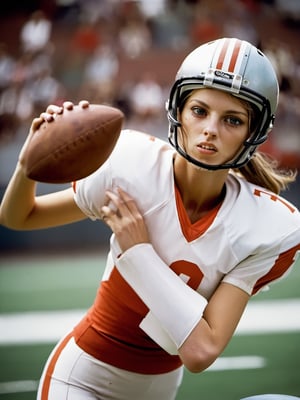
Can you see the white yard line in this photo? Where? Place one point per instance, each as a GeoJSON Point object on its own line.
{"type": "Point", "coordinates": [48, 326]}
{"type": "Point", "coordinates": [271, 316]}
{"type": "Point", "coordinates": [18, 386]}
{"type": "Point", "coordinates": [37, 327]}
{"type": "Point", "coordinates": [239, 362]}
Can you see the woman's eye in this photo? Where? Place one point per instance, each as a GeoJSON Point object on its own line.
{"type": "Point", "coordinates": [199, 111]}
{"type": "Point", "coordinates": [234, 121]}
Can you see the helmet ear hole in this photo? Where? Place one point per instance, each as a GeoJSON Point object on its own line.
{"type": "Point", "coordinates": [255, 117]}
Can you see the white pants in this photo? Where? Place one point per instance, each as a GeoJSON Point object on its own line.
{"type": "Point", "coordinates": [75, 375]}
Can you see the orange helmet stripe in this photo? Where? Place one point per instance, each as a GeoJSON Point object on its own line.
{"type": "Point", "coordinates": [222, 54]}
{"type": "Point", "coordinates": [234, 55]}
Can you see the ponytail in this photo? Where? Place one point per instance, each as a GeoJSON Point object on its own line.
{"type": "Point", "coordinates": [264, 171]}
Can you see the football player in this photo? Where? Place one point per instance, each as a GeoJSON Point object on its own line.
{"type": "Point", "coordinates": [198, 228]}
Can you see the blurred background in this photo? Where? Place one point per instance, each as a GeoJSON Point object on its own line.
{"type": "Point", "coordinates": [118, 52]}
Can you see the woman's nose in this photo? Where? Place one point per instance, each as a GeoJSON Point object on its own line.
{"type": "Point", "coordinates": [211, 128]}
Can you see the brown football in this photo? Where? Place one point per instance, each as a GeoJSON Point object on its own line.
{"type": "Point", "coordinates": [74, 145]}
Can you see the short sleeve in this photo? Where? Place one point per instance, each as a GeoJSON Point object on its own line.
{"type": "Point", "coordinates": [260, 270]}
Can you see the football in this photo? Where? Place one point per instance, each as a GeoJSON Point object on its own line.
{"type": "Point", "coordinates": [74, 145]}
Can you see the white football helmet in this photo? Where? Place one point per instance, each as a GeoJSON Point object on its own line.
{"type": "Point", "coordinates": [234, 66]}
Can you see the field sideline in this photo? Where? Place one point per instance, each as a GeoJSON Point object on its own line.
{"type": "Point", "coordinates": [39, 302]}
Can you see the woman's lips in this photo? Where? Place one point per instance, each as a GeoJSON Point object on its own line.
{"type": "Point", "coordinates": [206, 148]}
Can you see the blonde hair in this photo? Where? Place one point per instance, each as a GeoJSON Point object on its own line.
{"type": "Point", "coordinates": [262, 170]}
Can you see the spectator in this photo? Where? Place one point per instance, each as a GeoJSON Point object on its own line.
{"type": "Point", "coordinates": [170, 29]}
{"type": "Point", "coordinates": [204, 28]}
{"type": "Point", "coordinates": [36, 32]}
{"type": "Point", "coordinates": [147, 98]}
{"type": "Point", "coordinates": [16, 108]}
{"type": "Point", "coordinates": [44, 89]}
{"type": "Point", "coordinates": [7, 64]}
{"type": "Point", "coordinates": [86, 38]}
{"type": "Point", "coordinates": [24, 68]}
{"type": "Point", "coordinates": [100, 74]}
{"type": "Point", "coordinates": [135, 37]}
{"type": "Point", "coordinates": [283, 62]}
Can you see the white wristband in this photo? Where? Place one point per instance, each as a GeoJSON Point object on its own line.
{"type": "Point", "coordinates": [174, 304]}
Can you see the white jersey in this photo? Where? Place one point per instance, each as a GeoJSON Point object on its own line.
{"type": "Point", "coordinates": [250, 240]}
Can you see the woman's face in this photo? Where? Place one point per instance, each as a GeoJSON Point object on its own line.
{"type": "Point", "coordinates": [214, 126]}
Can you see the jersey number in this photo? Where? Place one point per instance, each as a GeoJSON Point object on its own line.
{"type": "Point", "coordinates": [189, 272]}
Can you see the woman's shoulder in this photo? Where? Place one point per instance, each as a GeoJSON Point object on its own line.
{"type": "Point", "coordinates": [259, 198]}
{"type": "Point", "coordinates": [260, 210]}
{"type": "Point", "coordinates": [143, 166]}
{"type": "Point", "coordinates": [135, 138]}
{"type": "Point", "coordinates": [140, 150]}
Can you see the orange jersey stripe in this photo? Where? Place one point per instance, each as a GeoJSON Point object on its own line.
{"type": "Point", "coordinates": [74, 184]}
{"type": "Point", "coordinates": [282, 264]}
{"type": "Point", "coordinates": [51, 366]}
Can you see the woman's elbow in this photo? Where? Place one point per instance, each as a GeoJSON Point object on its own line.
{"type": "Point", "coordinates": [198, 360]}
{"type": "Point", "coordinates": [11, 226]}
{"type": "Point", "coordinates": [11, 223]}
{"type": "Point", "coordinates": [4, 222]}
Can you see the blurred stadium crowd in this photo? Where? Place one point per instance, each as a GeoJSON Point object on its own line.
{"type": "Point", "coordinates": [126, 53]}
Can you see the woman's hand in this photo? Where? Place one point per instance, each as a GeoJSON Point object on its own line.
{"type": "Point", "coordinates": [121, 214]}
{"type": "Point", "coordinates": [20, 208]}
{"type": "Point", "coordinates": [47, 116]}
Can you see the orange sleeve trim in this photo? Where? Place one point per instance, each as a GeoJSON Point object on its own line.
{"type": "Point", "coordinates": [74, 184]}
{"type": "Point", "coordinates": [281, 265]}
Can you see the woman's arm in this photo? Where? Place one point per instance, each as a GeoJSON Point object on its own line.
{"type": "Point", "coordinates": [215, 329]}
{"type": "Point", "coordinates": [22, 210]}
{"type": "Point", "coordinates": [20, 207]}
{"type": "Point", "coordinates": [199, 331]}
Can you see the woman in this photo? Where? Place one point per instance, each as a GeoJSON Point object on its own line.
{"type": "Point", "coordinates": [197, 231]}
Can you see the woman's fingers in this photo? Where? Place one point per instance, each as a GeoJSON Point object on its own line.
{"type": "Point", "coordinates": [84, 104]}
{"type": "Point", "coordinates": [53, 110]}
{"type": "Point", "coordinates": [48, 116]}
{"type": "Point", "coordinates": [122, 203]}
{"type": "Point", "coordinates": [50, 113]}
{"type": "Point", "coordinates": [68, 105]}
{"type": "Point", "coordinates": [107, 213]}
{"type": "Point", "coordinates": [121, 214]}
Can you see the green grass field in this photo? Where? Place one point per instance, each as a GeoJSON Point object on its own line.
{"type": "Point", "coordinates": [40, 283]}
